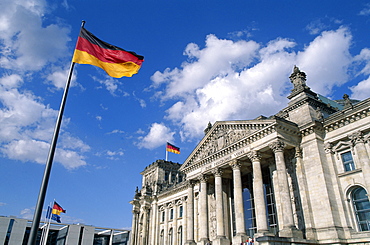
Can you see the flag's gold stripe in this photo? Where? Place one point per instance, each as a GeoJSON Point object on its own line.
{"type": "Point", "coordinates": [117, 70]}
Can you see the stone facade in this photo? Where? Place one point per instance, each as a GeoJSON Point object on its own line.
{"type": "Point", "coordinates": [301, 176]}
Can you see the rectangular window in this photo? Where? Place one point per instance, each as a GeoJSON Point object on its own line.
{"type": "Point", "coordinates": [163, 214]}
{"type": "Point", "coordinates": [171, 213]}
{"type": "Point", "coordinates": [347, 160]}
{"type": "Point", "coordinates": [180, 212]}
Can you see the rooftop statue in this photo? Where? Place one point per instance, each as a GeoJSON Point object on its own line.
{"type": "Point", "coordinates": [298, 78]}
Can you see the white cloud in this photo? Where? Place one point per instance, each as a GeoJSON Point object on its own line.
{"type": "Point", "coordinates": [27, 46]}
{"type": "Point", "coordinates": [366, 10]}
{"type": "Point", "coordinates": [361, 90]}
{"type": "Point", "coordinates": [27, 126]}
{"type": "Point", "coordinates": [115, 155]}
{"type": "Point", "coordinates": [58, 77]}
{"type": "Point", "coordinates": [27, 213]}
{"type": "Point", "coordinates": [26, 43]}
{"type": "Point", "coordinates": [219, 57]}
{"type": "Point", "coordinates": [219, 82]}
{"type": "Point", "coordinates": [363, 58]}
{"type": "Point", "coordinates": [326, 60]}
{"type": "Point", "coordinates": [116, 131]}
{"type": "Point", "coordinates": [110, 84]}
{"type": "Point", "coordinates": [158, 135]}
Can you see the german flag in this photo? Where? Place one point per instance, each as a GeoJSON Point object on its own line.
{"type": "Point", "coordinates": [116, 62]}
{"type": "Point", "coordinates": [172, 148]}
{"type": "Point", "coordinates": [57, 209]}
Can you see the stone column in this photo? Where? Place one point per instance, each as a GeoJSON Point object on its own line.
{"type": "Point", "coordinates": [145, 225]}
{"type": "Point", "coordinates": [358, 141]}
{"type": "Point", "coordinates": [196, 217]}
{"type": "Point", "coordinates": [133, 235]}
{"type": "Point", "coordinates": [288, 229]}
{"type": "Point", "coordinates": [190, 214]}
{"type": "Point", "coordinates": [203, 210]}
{"type": "Point", "coordinates": [153, 222]}
{"type": "Point", "coordinates": [238, 203]}
{"type": "Point", "coordinates": [220, 232]}
{"type": "Point", "coordinates": [258, 194]}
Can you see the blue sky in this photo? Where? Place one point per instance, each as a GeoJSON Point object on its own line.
{"type": "Point", "coordinates": [205, 61]}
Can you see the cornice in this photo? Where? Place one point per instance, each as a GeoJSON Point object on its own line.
{"type": "Point", "coordinates": [347, 116]}
{"type": "Point", "coordinates": [173, 190]}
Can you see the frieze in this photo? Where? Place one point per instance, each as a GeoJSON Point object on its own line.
{"type": "Point", "coordinates": [225, 159]}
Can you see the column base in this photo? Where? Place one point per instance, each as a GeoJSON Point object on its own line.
{"type": "Point", "coordinates": [190, 242]}
{"type": "Point", "coordinates": [240, 238]}
{"type": "Point", "coordinates": [290, 232]}
{"type": "Point", "coordinates": [221, 240]}
{"type": "Point", "coordinates": [263, 233]}
{"type": "Point", "coordinates": [203, 241]}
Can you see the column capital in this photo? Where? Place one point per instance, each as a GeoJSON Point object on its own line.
{"type": "Point", "coordinates": [235, 164]}
{"type": "Point", "coordinates": [254, 156]}
{"type": "Point", "coordinates": [298, 152]}
{"type": "Point", "coordinates": [356, 137]}
{"type": "Point", "coordinates": [217, 172]}
{"type": "Point", "coordinates": [277, 146]}
{"type": "Point", "coordinates": [190, 183]}
{"type": "Point", "coordinates": [203, 178]}
{"type": "Point", "coordinates": [328, 147]}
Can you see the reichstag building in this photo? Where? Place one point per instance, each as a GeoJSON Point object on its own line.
{"type": "Point", "coordinates": [301, 176]}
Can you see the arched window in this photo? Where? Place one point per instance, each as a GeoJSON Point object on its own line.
{"type": "Point", "coordinates": [361, 206]}
{"type": "Point", "coordinates": [179, 236]}
{"type": "Point", "coordinates": [170, 237]}
{"type": "Point", "coordinates": [162, 238]}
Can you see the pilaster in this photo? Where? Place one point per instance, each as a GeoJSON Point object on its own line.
{"type": "Point", "coordinates": [358, 141]}
{"type": "Point", "coordinates": [190, 214]}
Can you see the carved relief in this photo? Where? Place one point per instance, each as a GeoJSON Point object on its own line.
{"type": "Point", "coordinates": [203, 178]}
{"type": "Point", "coordinates": [356, 137]}
{"type": "Point", "coordinates": [328, 148]}
{"type": "Point", "coordinates": [254, 156]}
{"type": "Point", "coordinates": [277, 146]}
{"type": "Point", "coordinates": [223, 137]}
{"type": "Point", "coordinates": [235, 164]}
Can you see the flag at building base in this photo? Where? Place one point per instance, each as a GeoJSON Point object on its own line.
{"type": "Point", "coordinates": [54, 213]}
{"type": "Point", "coordinates": [115, 61]}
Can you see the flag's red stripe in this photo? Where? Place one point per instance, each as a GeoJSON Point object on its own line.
{"type": "Point", "coordinates": [173, 148]}
{"type": "Point", "coordinates": [106, 55]}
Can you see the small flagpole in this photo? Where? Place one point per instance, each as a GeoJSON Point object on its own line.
{"type": "Point", "coordinates": [49, 162]}
{"type": "Point", "coordinates": [166, 152]}
{"type": "Point", "coordinates": [45, 231]}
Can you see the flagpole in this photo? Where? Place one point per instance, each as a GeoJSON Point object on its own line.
{"type": "Point", "coordinates": [49, 162]}
{"type": "Point", "coordinates": [166, 153]}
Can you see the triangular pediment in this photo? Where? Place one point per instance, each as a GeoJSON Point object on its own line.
{"type": "Point", "coordinates": [224, 134]}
